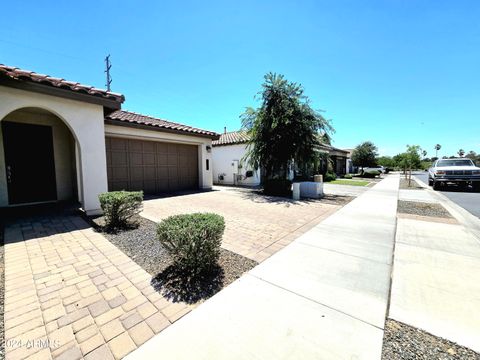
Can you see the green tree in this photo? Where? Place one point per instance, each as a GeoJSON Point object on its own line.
{"type": "Point", "coordinates": [284, 130]}
{"type": "Point", "coordinates": [461, 152]}
{"type": "Point", "coordinates": [409, 160]}
{"type": "Point", "coordinates": [365, 154]}
{"type": "Point", "coordinates": [472, 155]}
{"type": "Point", "coordinates": [386, 161]}
{"type": "Point", "coordinates": [437, 147]}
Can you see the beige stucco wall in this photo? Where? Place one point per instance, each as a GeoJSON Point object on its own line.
{"type": "Point", "coordinates": [205, 176]}
{"type": "Point", "coordinates": [63, 149]}
{"type": "Point", "coordinates": [86, 123]}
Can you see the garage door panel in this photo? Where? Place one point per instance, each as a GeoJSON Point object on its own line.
{"type": "Point", "coordinates": [172, 159]}
{"type": "Point", "coordinates": [153, 167]}
{"type": "Point", "coordinates": [119, 173]}
{"type": "Point", "coordinates": [119, 158]}
{"type": "Point", "coordinates": [148, 159]}
{"type": "Point", "coordinates": [118, 144]}
{"type": "Point", "coordinates": [136, 159]}
{"type": "Point", "coordinates": [162, 172]}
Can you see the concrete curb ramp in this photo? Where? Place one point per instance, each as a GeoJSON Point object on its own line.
{"type": "Point", "coordinates": [324, 296]}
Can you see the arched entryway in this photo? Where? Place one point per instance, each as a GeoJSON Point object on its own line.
{"type": "Point", "coordinates": [38, 158]}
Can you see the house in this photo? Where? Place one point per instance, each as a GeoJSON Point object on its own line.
{"type": "Point", "coordinates": [230, 165]}
{"type": "Point", "coordinates": [61, 140]}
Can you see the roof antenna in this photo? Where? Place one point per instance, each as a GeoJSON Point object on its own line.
{"type": "Point", "coordinates": [108, 66]}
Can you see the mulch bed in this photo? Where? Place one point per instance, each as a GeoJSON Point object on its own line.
{"type": "Point", "coordinates": [413, 185]}
{"type": "Point", "coordinates": [141, 245]}
{"type": "Point", "coordinates": [404, 342]}
{"type": "Point", "coordinates": [2, 294]}
{"type": "Point", "coordinates": [423, 209]}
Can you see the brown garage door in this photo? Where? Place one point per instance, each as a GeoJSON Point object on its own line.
{"type": "Point", "coordinates": [154, 167]}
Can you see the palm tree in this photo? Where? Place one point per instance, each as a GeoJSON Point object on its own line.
{"type": "Point", "coordinates": [437, 147]}
{"type": "Point", "coordinates": [461, 152]}
{"type": "Point", "coordinates": [424, 153]}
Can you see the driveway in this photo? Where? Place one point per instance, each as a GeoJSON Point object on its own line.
{"type": "Point", "coordinates": [257, 226]}
{"type": "Point", "coordinates": [467, 199]}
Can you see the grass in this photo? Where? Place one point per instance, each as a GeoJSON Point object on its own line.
{"type": "Point", "coordinates": [349, 182]}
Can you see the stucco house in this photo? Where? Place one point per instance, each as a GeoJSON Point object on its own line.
{"type": "Point", "coordinates": [230, 166]}
{"type": "Point", "coordinates": [228, 153]}
{"type": "Point", "coordinates": [61, 140]}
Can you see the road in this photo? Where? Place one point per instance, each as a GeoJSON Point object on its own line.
{"type": "Point", "coordinates": [466, 198]}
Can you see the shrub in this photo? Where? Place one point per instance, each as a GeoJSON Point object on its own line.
{"type": "Point", "coordinates": [347, 176]}
{"type": "Point", "coordinates": [277, 187]}
{"type": "Point", "coordinates": [192, 240]}
{"type": "Point", "coordinates": [330, 176]}
{"type": "Point", "coordinates": [370, 173]}
{"type": "Point", "coordinates": [119, 206]}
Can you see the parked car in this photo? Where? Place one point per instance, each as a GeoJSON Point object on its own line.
{"type": "Point", "coordinates": [460, 171]}
{"type": "Point", "coordinates": [381, 169]}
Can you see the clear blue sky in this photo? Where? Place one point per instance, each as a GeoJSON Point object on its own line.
{"type": "Point", "coordinates": [395, 72]}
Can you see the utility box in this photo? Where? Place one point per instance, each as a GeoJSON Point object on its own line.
{"type": "Point", "coordinates": [318, 178]}
{"type": "Point", "coordinates": [313, 190]}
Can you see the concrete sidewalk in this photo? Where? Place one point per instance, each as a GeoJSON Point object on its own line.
{"type": "Point", "coordinates": [436, 276]}
{"type": "Point", "coordinates": [322, 297]}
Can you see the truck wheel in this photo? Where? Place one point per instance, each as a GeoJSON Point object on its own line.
{"type": "Point", "coordinates": [430, 181]}
{"type": "Point", "coordinates": [476, 186]}
{"type": "Point", "coordinates": [436, 185]}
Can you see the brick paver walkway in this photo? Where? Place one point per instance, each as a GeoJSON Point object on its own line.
{"type": "Point", "coordinates": [70, 293]}
{"type": "Point", "coordinates": [256, 226]}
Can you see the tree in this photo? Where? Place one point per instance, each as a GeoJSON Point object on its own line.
{"type": "Point", "coordinates": [424, 153]}
{"type": "Point", "coordinates": [472, 155]}
{"type": "Point", "coordinates": [461, 152]}
{"type": "Point", "coordinates": [410, 160]}
{"type": "Point", "coordinates": [437, 147]}
{"type": "Point", "coordinates": [364, 155]}
{"type": "Point", "coordinates": [385, 161]}
{"type": "Point", "coordinates": [284, 130]}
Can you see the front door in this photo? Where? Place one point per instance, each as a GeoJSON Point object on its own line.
{"type": "Point", "coordinates": [29, 162]}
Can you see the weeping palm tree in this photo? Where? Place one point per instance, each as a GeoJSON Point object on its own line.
{"type": "Point", "coordinates": [437, 147]}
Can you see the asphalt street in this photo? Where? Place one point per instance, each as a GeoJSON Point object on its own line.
{"type": "Point", "coordinates": [466, 198]}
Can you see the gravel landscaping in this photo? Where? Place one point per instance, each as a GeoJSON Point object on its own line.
{"type": "Point", "coordinates": [141, 245]}
{"type": "Point", "coordinates": [422, 209]}
{"type": "Point", "coordinates": [404, 342]}
{"type": "Point", "coordinates": [413, 185]}
{"type": "Point", "coordinates": [2, 295]}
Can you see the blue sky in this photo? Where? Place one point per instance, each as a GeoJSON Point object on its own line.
{"type": "Point", "coordinates": [395, 72]}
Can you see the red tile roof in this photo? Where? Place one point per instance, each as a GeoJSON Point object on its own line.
{"type": "Point", "coordinates": [15, 73]}
{"type": "Point", "coordinates": [231, 138]}
{"type": "Point", "coordinates": [127, 117]}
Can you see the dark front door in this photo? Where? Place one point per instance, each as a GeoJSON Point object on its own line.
{"type": "Point", "coordinates": [29, 162]}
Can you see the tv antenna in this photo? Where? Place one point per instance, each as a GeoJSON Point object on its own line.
{"type": "Point", "coordinates": [108, 66]}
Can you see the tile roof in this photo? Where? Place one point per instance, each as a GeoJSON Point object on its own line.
{"type": "Point", "coordinates": [15, 73]}
{"type": "Point", "coordinates": [231, 138]}
{"type": "Point", "coordinates": [131, 118]}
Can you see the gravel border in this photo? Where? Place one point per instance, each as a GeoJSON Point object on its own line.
{"type": "Point", "coordinates": [141, 245]}
{"type": "Point", "coordinates": [423, 209]}
{"type": "Point", "coordinates": [2, 293]}
{"type": "Point", "coordinates": [404, 342]}
{"type": "Point", "coordinates": [414, 185]}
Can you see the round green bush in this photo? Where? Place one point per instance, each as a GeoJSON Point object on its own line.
{"type": "Point", "coordinates": [192, 240]}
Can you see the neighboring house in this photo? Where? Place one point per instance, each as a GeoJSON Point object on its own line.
{"type": "Point", "coordinates": [339, 158]}
{"type": "Point", "coordinates": [230, 149]}
{"type": "Point", "coordinates": [227, 155]}
{"type": "Point", "coordinates": [61, 140]}
{"type": "Point", "coordinates": [350, 168]}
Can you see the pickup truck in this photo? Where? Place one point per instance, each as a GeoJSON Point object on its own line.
{"type": "Point", "coordinates": [460, 171]}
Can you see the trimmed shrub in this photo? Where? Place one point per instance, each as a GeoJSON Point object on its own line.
{"type": "Point", "coordinates": [370, 173]}
{"type": "Point", "coordinates": [329, 176]}
{"type": "Point", "coordinates": [119, 206]}
{"type": "Point", "coordinates": [192, 240]}
{"type": "Point", "coordinates": [347, 176]}
{"type": "Point", "coordinates": [277, 187]}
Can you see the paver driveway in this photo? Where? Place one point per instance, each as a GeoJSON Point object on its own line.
{"type": "Point", "coordinates": [70, 293]}
{"type": "Point", "coordinates": [256, 226]}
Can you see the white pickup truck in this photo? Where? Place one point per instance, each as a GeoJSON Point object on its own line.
{"type": "Point", "coordinates": [459, 171]}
